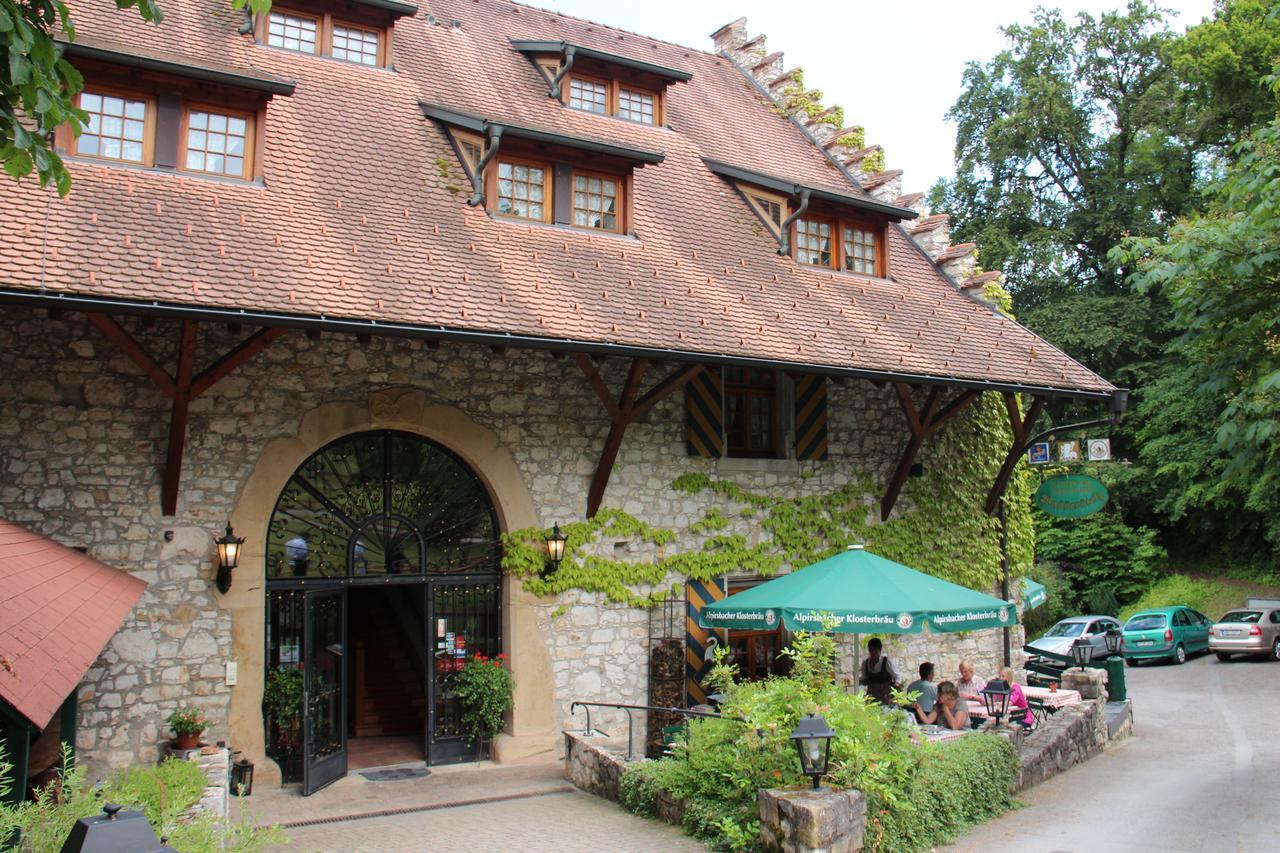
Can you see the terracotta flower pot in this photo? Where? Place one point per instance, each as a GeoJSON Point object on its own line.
{"type": "Point", "coordinates": [187, 740]}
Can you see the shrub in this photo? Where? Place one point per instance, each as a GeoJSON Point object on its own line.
{"type": "Point", "coordinates": [1176, 589]}
{"type": "Point", "coordinates": [723, 762]}
{"type": "Point", "coordinates": [1100, 553]}
{"type": "Point", "coordinates": [1059, 599]}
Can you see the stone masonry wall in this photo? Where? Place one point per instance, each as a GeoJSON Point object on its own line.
{"type": "Point", "coordinates": [82, 441]}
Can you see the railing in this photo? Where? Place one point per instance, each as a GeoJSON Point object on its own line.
{"type": "Point", "coordinates": [683, 712]}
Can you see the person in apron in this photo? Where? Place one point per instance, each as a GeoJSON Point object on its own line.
{"type": "Point", "coordinates": [878, 674]}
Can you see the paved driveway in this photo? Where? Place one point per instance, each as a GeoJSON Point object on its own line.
{"type": "Point", "coordinates": [1201, 772]}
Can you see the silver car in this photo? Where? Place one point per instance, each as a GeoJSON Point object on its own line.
{"type": "Point", "coordinates": [1063, 635]}
{"type": "Point", "coordinates": [1248, 631]}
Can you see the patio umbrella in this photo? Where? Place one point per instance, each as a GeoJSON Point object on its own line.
{"type": "Point", "coordinates": [1033, 594]}
{"type": "Point", "coordinates": [866, 593]}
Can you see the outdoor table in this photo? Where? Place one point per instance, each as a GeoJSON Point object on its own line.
{"type": "Point", "coordinates": [1052, 699]}
{"type": "Point", "coordinates": [977, 709]}
{"type": "Point", "coordinates": [934, 734]}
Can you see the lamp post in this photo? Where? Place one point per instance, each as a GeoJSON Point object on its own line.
{"type": "Point", "coordinates": [228, 557]}
{"type": "Point", "coordinates": [555, 550]}
{"type": "Point", "coordinates": [812, 738]}
{"type": "Point", "coordinates": [1114, 640]}
{"type": "Point", "coordinates": [1082, 652]}
{"type": "Point", "coordinates": [996, 697]}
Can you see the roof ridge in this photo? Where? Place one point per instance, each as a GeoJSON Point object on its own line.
{"type": "Point", "coordinates": [610, 27]}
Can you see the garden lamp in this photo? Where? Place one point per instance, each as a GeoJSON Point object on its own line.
{"type": "Point", "coordinates": [812, 738]}
{"type": "Point", "coordinates": [228, 557]}
{"type": "Point", "coordinates": [996, 697]}
{"type": "Point", "coordinates": [242, 778]}
{"type": "Point", "coordinates": [555, 550]}
{"type": "Point", "coordinates": [1114, 640]}
{"type": "Point", "coordinates": [1082, 652]}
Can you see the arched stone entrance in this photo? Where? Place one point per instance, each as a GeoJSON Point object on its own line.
{"type": "Point", "coordinates": [531, 728]}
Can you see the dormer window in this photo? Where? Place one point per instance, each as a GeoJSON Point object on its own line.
{"type": "Point", "coordinates": [602, 83]}
{"type": "Point", "coordinates": [857, 250]}
{"type": "Point", "coordinates": [813, 242]}
{"type": "Point", "coordinates": [356, 31]}
{"type": "Point", "coordinates": [597, 201]}
{"type": "Point", "coordinates": [117, 127]}
{"type": "Point", "coordinates": [219, 143]}
{"type": "Point", "coordinates": [523, 192]}
{"type": "Point", "coordinates": [860, 250]}
{"type": "Point", "coordinates": [293, 32]}
{"type": "Point", "coordinates": [355, 44]}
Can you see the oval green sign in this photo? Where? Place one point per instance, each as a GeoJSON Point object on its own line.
{"type": "Point", "coordinates": [1071, 496]}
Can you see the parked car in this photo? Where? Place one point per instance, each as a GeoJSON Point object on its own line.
{"type": "Point", "coordinates": [1060, 638]}
{"type": "Point", "coordinates": [1166, 633]}
{"type": "Point", "coordinates": [1248, 631]}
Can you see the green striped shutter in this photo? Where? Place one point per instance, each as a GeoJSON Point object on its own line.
{"type": "Point", "coordinates": [811, 417]}
{"type": "Point", "coordinates": [704, 414]}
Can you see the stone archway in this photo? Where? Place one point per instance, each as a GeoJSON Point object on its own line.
{"type": "Point", "coordinates": [532, 726]}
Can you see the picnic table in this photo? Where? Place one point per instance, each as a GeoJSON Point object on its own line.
{"type": "Point", "coordinates": [934, 734]}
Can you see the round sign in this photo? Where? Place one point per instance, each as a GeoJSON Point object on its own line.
{"type": "Point", "coordinates": [1071, 496]}
{"type": "Point", "coordinates": [905, 621]}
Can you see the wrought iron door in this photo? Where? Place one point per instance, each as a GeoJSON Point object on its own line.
{"type": "Point", "coordinates": [464, 619]}
{"type": "Point", "coordinates": [324, 705]}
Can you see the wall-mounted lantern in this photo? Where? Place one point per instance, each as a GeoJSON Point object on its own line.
{"type": "Point", "coordinates": [228, 557]}
{"type": "Point", "coordinates": [555, 550]}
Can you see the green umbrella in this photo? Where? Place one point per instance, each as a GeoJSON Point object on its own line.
{"type": "Point", "coordinates": [867, 593]}
{"type": "Point", "coordinates": [1033, 594]}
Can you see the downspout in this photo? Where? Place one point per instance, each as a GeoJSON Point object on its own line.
{"type": "Point", "coordinates": [569, 52]}
{"type": "Point", "coordinates": [784, 239]}
{"type": "Point", "coordinates": [477, 176]}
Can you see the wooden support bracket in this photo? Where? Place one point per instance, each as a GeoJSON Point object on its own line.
{"type": "Point", "coordinates": [629, 406]}
{"type": "Point", "coordinates": [1021, 432]}
{"type": "Point", "coordinates": [183, 387]}
{"type": "Point", "coordinates": [922, 423]}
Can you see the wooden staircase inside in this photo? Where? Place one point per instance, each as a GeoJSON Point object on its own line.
{"type": "Point", "coordinates": [389, 689]}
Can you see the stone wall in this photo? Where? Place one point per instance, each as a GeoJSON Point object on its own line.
{"type": "Point", "coordinates": [82, 441]}
{"type": "Point", "coordinates": [1073, 735]}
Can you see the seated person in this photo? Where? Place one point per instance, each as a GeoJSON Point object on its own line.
{"type": "Point", "coordinates": [1019, 710]}
{"type": "Point", "coordinates": [968, 684]}
{"type": "Point", "coordinates": [928, 693]}
{"type": "Point", "coordinates": [950, 711]}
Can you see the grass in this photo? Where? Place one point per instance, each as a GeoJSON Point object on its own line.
{"type": "Point", "coordinates": [1211, 595]}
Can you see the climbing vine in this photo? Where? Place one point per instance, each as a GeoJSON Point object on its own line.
{"type": "Point", "coordinates": [939, 526]}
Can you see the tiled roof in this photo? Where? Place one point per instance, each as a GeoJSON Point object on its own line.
{"type": "Point", "coordinates": [58, 609]}
{"type": "Point", "coordinates": [362, 215]}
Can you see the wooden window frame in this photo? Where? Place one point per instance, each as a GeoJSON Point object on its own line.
{"type": "Point", "coordinates": [548, 185]}
{"type": "Point", "coordinates": [620, 212]}
{"type": "Point", "coordinates": [250, 139]}
{"type": "Point", "coordinates": [613, 88]}
{"type": "Point", "coordinates": [150, 119]}
{"type": "Point", "coordinates": [749, 391]}
{"type": "Point", "coordinates": [759, 198]}
{"type": "Point", "coordinates": [325, 23]}
{"type": "Point", "coordinates": [838, 225]}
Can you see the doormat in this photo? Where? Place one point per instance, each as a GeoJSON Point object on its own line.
{"type": "Point", "coordinates": [395, 773]}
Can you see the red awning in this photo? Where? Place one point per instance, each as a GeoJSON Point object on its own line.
{"type": "Point", "coordinates": [58, 610]}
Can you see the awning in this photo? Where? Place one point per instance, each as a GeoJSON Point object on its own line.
{"type": "Point", "coordinates": [866, 593]}
{"type": "Point", "coordinates": [1033, 594]}
{"type": "Point", "coordinates": [58, 610]}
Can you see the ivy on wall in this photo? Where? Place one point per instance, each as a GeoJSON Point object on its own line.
{"type": "Point", "coordinates": [939, 526]}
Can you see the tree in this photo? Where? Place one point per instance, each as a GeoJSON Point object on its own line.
{"type": "Point", "coordinates": [1220, 272]}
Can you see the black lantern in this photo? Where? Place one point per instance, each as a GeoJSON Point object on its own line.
{"type": "Point", "coordinates": [1082, 652]}
{"type": "Point", "coordinates": [812, 738]}
{"type": "Point", "coordinates": [996, 697]}
{"type": "Point", "coordinates": [1114, 640]}
{"type": "Point", "coordinates": [242, 778]}
{"type": "Point", "coordinates": [228, 557]}
{"type": "Point", "coordinates": [555, 550]}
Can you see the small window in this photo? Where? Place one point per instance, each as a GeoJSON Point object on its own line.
{"type": "Point", "coordinates": [589, 95]}
{"type": "Point", "coordinates": [596, 201]}
{"type": "Point", "coordinates": [292, 32]}
{"type": "Point", "coordinates": [750, 409]}
{"type": "Point", "coordinates": [859, 250]}
{"type": "Point", "coordinates": [354, 44]}
{"type": "Point", "coordinates": [116, 128]}
{"type": "Point", "coordinates": [636, 106]}
{"type": "Point", "coordinates": [217, 143]}
{"type": "Point", "coordinates": [471, 148]}
{"type": "Point", "coordinates": [522, 190]}
{"type": "Point", "coordinates": [771, 208]}
{"type": "Point", "coordinates": [813, 242]}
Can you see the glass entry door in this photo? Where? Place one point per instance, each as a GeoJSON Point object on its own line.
{"type": "Point", "coordinates": [324, 691]}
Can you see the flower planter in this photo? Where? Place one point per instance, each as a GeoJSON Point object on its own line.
{"type": "Point", "coordinates": [187, 740]}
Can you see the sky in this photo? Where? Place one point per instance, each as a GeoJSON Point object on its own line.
{"type": "Point", "coordinates": [894, 65]}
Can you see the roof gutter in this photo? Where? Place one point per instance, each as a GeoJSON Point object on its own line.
{"type": "Point", "coordinates": [792, 188]}
{"type": "Point", "coordinates": [484, 126]}
{"type": "Point", "coordinates": [182, 69]}
{"type": "Point", "coordinates": [77, 302]}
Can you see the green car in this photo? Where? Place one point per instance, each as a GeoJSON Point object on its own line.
{"type": "Point", "coordinates": [1170, 633]}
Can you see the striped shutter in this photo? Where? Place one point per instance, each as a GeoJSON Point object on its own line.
{"type": "Point", "coordinates": [811, 417]}
{"type": "Point", "coordinates": [704, 414]}
{"type": "Point", "coordinates": [697, 640]}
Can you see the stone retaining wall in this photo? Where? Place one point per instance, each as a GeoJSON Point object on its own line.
{"type": "Point", "coordinates": [1073, 735]}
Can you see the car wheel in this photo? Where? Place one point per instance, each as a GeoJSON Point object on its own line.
{"type": "Point", "coordinates": [1131, 661]}
{"type": "Point", "coordinates": [1226, 656]}
{"type": "Point", "coordinates": [1179, 654]}
{"type": "Point", "coordinates": [1275, 649]}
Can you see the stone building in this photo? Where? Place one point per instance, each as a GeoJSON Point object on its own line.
{"type": "Point", "coordinates": [375, 284]}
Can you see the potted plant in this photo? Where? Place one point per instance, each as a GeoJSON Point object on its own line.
{"type": "Point", "coordinates": [484, 688]}
{"type": "Point", "coordinates": [282, 700]}
{"type": "Point", "coordinates": [188, 723]}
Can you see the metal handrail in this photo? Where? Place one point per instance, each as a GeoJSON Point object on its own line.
{"type": "Point", "coordinates": [684, 712]}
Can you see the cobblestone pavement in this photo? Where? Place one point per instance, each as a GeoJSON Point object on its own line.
{"type": "Point", "coordinates": [570, 822]}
